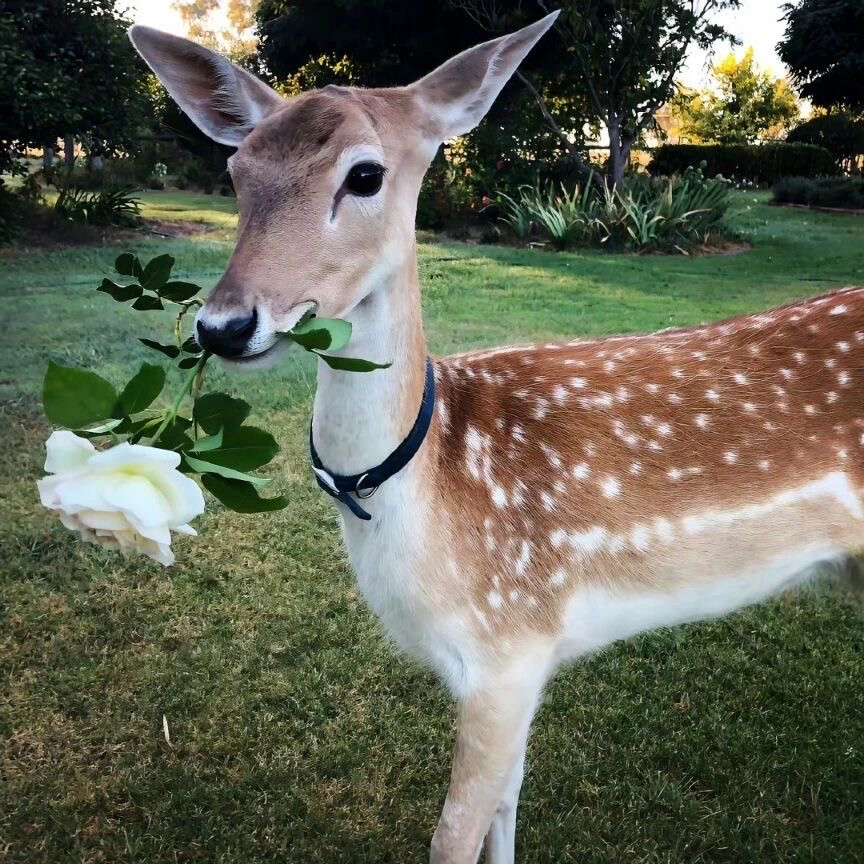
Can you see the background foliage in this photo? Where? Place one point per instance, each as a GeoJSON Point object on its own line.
{"type": "Point", "coordinates": [68, 69]}
{"type": "Point", "coordinates": [763, 163]}
{"type": "Point", "coordinates": [742, 104]}
{"type": "Point", "coordinates": [823, 46]}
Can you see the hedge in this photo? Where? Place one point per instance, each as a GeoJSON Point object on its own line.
{"type": "Point", "coordinates": [761, 163]}
{"type": "Point", "coordinates": [841, 192]}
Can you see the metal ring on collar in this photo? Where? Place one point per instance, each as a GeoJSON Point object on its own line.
{"type": "Point", "coordinates": [364, 494]}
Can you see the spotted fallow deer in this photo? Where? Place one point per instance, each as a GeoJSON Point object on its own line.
{"type": "Point", "coordinates": [565, 495]}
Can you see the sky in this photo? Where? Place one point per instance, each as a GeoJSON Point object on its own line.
{"type": "Point", "coordinates": [756, 23]}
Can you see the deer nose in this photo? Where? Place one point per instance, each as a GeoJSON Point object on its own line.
{"type": "Point", "coordinates": [230, 338]}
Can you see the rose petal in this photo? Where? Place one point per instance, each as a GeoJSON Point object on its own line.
{"type": "Point", "coordinates": [140, 500]}
{"type": "Point", "coordinates": [76, 492]}
{"type": "Point", "coordinates": [135, 457]}
{"type": "Point", "coordinates": [66, 451]}
{"type": "Point", "coordinates": [184, 495]}
{"type": "Point", "coordinates": [102, 520]}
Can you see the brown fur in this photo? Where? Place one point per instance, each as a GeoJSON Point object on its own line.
{"type": "Point", "coordinates": [641, 438]}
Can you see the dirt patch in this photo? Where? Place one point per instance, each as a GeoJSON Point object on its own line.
{"type": "Point", "coordinates": [724, 249]}
{"type": "Point", "coordinates": [176, 229]}
{"type": "Point", "coordinates": [47, 234]}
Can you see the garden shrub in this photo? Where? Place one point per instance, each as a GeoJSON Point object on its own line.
{"type": "Point", "coordinates": [840, 134]}
{"type": "Point", "coordinates": [118, 207]}
{"type": "Point", "coordinates": [761, 163]}
{"type": "Point", "coordinates": [10, 213]}
{"type": "Point", "coordinates": [841, 192]}
{"type": "Point", "coordinates": [641, 213]}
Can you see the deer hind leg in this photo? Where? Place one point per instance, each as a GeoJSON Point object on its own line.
{"type": "Point", "coordinates": [487, 769]}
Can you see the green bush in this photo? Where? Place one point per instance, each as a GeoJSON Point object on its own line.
{"type": "Point", "coordinates": [641, 213]}
{"type": "Point", "coordinates": [118, 207]}
{"type": "Point", "coordinates": [840, 134]}
{"type": "Point", "coordinates": [760, 163]}
{"type": "Point", "coordinates": [10, 213]}
{"type": "Point", "coordinates": [448, 192]}
{"type": "Point", "coordinates": [844, 192]}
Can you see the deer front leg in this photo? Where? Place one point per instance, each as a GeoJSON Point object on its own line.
{"type": "Point", "coordinates": [501, 839]}
{"type": "Point", "coordinates": [487, 771]}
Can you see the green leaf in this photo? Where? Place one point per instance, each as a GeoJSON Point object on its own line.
{"type": "Point", "coordinates": [174, 436]}
{"type": "Point", "coordinates": [156, 272]}
{"type": "Point", "coordinates": [168, 350]}
{"type": "Point", "coordinates": [244, 448]}
{"type": "Point", "coordinates": [203, 467]}
{"type": "Point", "coordinates": [212, 411]}
{"type": "Point", "coordinates": [128, 264]}
{"type": "Point", "coordinates": [208, 442]}
{"type": "Point", "coordinates": [178, 291]}
{"type": "Point", "coordinates": [121, 293]}
{"type": "Point", "coordinates": [321, 333]}
{"type": "Point", "coordinates": [146, 302]}
{"type": "Point", "coordinates": [188, 362]}
{"type": "Point", "coordinates": [352, 364]}
{"type": "Point", "coordinates": [240, 496]}
{"type": "Point", "coordinates": [75, 397]}
{"type": "Point", "coordinates": [101, 429]}
{"type": "Point", "coordinates": [141, 390]}
{"type": "Point", "coordinates": [191, 346]}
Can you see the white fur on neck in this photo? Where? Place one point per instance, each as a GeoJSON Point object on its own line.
{"type": "Point", "coordinates": [356, 414]}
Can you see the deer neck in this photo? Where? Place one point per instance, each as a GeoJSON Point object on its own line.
{"type": "Point", "coordinates": [360, 418]}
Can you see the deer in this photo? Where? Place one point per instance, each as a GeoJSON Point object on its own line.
{"type": "Point", "coordinates": [509, 510]}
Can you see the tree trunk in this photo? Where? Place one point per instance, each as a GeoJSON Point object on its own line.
{"type": "Point", "coordinates": [616, 166]}
{"type": "Point", "coordinates": [69, 152]}
{"type": "Point", "coordinates": [47, 156]}
{"type": "Point", "coordinates": [620, 145]}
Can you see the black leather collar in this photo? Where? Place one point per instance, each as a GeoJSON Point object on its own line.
{"type": "Point", "coordinates": [343, 487]}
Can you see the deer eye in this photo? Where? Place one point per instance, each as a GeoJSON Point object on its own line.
{"type": "Point", "coordinates": [365, 179]}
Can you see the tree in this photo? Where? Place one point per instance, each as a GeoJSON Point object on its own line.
{"type": "Point", "coordinates": [233, 36]}
{"type": "Point", "coordinates": [388, 42]}
{"type": "Point", "coordinates": [67, 69]}
{"type": "Point", "coordinates": [741, 106]}
{"type": "Point", "coordinates": [823, 46]}
{"type": "Point", "coordinates": [380, 43]}
{"type": "Point", "coordinates": [840, 134]}
{"type": "Point", "coordinates": [621, 55]}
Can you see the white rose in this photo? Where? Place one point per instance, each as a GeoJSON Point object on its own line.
{"type": "Point", "coordinates": [129, 497]}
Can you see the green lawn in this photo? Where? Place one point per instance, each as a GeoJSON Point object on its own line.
{"type": "Point", "coordinates": [297, 734]}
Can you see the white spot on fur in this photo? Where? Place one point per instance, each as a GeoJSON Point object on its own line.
{"type": "Point", "coordinates": [611, 487]}
{"type": "Point", "coordinates": [581, 471]}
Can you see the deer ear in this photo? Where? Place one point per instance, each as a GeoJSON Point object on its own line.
{"type": "Point", "coordinates": [224, 101]}
{"type": "Point", "coordinates": [457, 95]}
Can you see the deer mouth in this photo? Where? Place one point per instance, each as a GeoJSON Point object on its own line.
{"type": "Point", "coordinates": [271, 339]}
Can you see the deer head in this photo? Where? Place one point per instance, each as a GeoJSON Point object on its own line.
{"type": "Point", "coordinates": [327, 182]}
